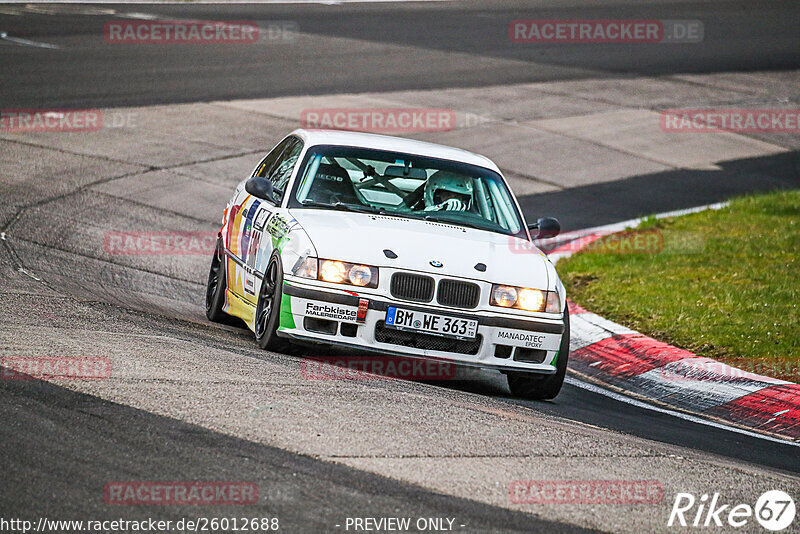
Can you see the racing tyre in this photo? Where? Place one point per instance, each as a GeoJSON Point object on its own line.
{"type": "Point", "coordinates": [215, 289]}
{"type": "Point", "coordinates": [268, 308]}
{"type": "Point", "coordinates": [530, 386]}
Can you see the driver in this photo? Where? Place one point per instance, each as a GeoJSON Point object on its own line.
{"type": "Point", "coordinates": [448, 191]}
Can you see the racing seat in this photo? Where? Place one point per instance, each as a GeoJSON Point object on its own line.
{"type": "Point", "coordinates": [332, 184]}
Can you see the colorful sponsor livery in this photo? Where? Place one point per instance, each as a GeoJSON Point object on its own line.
{"type": "Point", "coordinates": [392, 247]}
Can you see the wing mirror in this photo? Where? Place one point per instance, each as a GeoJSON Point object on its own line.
{"type": "Point", "coordinates": [547, 226]}
{"type": "Point", "coordinates": [261, 188]}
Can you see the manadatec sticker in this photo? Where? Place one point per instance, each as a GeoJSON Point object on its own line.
{"type": "Point", "coordinates": [531, 340]}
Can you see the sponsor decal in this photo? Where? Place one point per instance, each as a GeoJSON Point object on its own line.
{"type": "Point", "coordinates": [332, 311]}
{"type": "Point", "coordinates": [248, 216]}
{"type": "Point", "coordinates": [533, 340]}
{"type": "Point", "coordinates": [261, 218]}
{"type": "Point", "coordinates": [180, 493]}
{"type": "Point", "coordinates": [731, 120]}
{"type": "Point", "coordinates": [375, 368]}
{"type": "Point", "coordinates": [363, 306]}
{"type": "Point", "coordinates": [277, 227]}
{"type": "Point", "coordinates": [234, 216]}
{"type": "Point", "coordinates": [55, 368]}
{"type": "Point", "coordinates": [586, 492]}
{"type": "Point", "coordinates": [250, 283]}
{"type": "Point", "coordinates": [253, 251]}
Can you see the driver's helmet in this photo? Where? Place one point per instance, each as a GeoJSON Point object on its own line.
{"type": "Point", "coordinates": [449, 190]}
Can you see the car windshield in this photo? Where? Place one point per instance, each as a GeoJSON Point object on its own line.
{"type": "Point", "coordinates": [405, 185]}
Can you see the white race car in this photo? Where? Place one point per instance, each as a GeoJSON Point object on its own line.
{"type": "Point", "coordinates": [394, 246]}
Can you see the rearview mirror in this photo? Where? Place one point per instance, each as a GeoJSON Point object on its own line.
{"type": "Point", "coordinates": [547, 226]}
{"type": "Point", "coordinates": [261, 188]}
{"type": "Point", "coordinates": [396, 171]}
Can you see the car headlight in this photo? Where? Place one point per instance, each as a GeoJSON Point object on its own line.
{"type": "Point", "coordinates": [523, 298]}
{"type": "Point", "coordinates": [342, 272]}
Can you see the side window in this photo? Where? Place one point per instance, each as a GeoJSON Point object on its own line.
{"type": "Point", "coordinates": [269, 162]}
{"type": "Point", "coordinates": [282, 171]}
{"type": "Point", "coordinates": [279, 163]}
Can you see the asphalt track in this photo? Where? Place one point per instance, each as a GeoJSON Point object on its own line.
{"type": "Point", "coordinates": [377, 47]}
{"type": "Point", "coordinates": [61, 444]}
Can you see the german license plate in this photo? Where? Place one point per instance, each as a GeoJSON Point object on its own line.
{"type": "Point", "coordinates": [431, 323]}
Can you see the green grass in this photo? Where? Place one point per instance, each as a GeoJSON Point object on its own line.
{"type": "Point", "coordinates": [725, 285]}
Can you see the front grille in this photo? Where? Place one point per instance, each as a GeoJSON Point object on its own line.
{"type": "Point", "coordinates": [419, 340]}
{"type": "Point", "coordinates": [458, 294]}
{"type": "Point", "coordinates": [414, 287]}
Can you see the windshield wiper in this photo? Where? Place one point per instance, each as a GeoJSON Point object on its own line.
{"type": "Point", "coordinates": [314, 204]}
{"type": "Point", "coordinates": [435, 218]}
{"type": "Point", "coordinates": [343, 206]}
{"type": "Point", "coordinates": [360, 208]}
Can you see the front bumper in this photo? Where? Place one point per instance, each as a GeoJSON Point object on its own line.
{"type": "Point", "coordinates": [331, 316]}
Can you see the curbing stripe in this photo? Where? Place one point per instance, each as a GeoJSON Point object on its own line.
{"type": "Point", "coordinates": [588, 328]}
{"type": "Point", "coordinates": [624, 359]}
{"type": "Point", "coordinates": [574, 309]}
{"type": "Point", "coordinates": [775, 410]}
{"type": "Point", "coordinates": [704, 369]}
{"type": "Point", "coordinates": [619, 358]}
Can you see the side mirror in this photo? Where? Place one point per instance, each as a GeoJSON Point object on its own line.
{"type": "Point", "coordinates": [261, 188]}
{"type": "Point", "coordinates": [547, 226]}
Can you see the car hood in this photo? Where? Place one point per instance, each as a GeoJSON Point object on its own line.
{"type": "Point", "coordinates": [362, 238]}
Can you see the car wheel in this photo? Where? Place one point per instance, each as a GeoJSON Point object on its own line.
{"type": "Point", "coordinates": [529, 386]}
{"type": "Point", "coordinates": [268, 308]}
{"type": "Point", "coordinates": [215, 288]}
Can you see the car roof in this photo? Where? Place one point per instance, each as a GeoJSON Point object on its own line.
{"type": "Point", "coordinates": [394, 144]}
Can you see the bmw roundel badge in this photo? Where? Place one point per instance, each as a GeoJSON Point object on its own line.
{"type": "Point", "coordinates": [436, 263]}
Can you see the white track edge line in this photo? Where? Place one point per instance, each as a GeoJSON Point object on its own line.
{"type": "Point", "coordinates": [692, 418]}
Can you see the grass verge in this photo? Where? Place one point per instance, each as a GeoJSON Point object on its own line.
{"type": "Point", "coordinates": [724, 284]}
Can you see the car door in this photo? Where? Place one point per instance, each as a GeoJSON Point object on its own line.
{"type": "Point", "coordinates": [251, 219]}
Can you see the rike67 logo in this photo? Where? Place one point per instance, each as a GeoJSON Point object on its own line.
{"type": "Point", "coordinates": [774, 510]}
